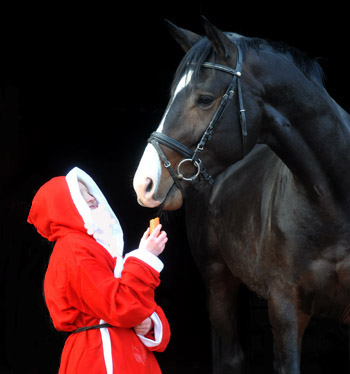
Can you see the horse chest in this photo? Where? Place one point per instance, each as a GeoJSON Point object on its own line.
{"type": "Point", "coordinates": [249, 268]}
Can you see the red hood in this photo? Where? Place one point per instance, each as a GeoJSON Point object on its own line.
{"type": "Point", "coordinates": [53, 211]}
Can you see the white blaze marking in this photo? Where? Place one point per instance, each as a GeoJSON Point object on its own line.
{"type": "Point", "coordinates": [150, 165]}
{"type": "Point", "coordinates": [184, 81]}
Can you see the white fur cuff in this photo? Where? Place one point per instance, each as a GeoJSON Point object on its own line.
{"type": "Point", "coordinates": [148, 258]}
{"type": "Point", "coordinates": [158, 332]}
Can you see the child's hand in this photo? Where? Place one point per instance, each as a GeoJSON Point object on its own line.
{"type": "Point", "coordinates": [153, 243]}
{"type": "Point", "coordinates": [144, 327]}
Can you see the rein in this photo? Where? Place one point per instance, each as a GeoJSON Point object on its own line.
{"type": "Point", "coordinates": [193, 156]}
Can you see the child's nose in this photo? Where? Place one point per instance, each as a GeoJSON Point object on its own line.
{"type": "Point", "coordinates": [90, 198]}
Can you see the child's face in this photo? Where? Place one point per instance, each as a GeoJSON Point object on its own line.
{"type": "Point", "coordinates": [90, 199]}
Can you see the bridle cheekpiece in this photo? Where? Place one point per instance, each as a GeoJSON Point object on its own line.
{"type": "Point", "coordinates": [193, 156]}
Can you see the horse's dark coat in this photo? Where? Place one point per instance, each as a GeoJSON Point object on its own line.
{"type": "Point", "coordinates": [278, 220]}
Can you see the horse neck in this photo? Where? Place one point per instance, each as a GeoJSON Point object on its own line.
{"type": "Point", "coordinates": [313, 139]}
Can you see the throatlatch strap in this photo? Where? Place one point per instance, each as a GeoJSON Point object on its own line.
{"type": "Point", "coordinates": [100, 326]}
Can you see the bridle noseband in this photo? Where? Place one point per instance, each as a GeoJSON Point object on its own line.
{"type": "Point", "coordinates": [193, 156]}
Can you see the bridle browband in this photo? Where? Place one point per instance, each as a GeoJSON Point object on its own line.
{"type": "Point", "coordinates": [193, 156]}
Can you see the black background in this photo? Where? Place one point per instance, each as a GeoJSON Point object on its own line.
{"type": "Point", "coordinates": [84, 86]}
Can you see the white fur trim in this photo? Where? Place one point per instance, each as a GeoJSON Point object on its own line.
{"type": "Point", "coordinates": [72, 180]}
{"type": "Point", "coordinates": [107, 348]}
{"type": "Point", "coordinates": [79, 202]}
{"type": "Point", "coordinates": [119, 267]}
{"type": "Point", "coordinates": [158, 332]}
{"type": "Point", "coordinates": [147, 257]}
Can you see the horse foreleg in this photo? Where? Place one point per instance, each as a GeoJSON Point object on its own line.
{"type": "Point", "coordinates": [222, 294]}
{"type": "Point", "coordinates": [288, 326]}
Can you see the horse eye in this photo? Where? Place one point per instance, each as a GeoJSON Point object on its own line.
{"type": "Point", "coordinates": [204, 100]}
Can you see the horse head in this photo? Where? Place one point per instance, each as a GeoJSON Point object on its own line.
{"type": "Point", "coordinates": [203, 129]}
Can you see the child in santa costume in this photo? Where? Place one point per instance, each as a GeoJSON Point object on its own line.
{"type": "Point", "coordinates": [104, 299]}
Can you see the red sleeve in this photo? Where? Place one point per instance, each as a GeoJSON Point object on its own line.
{"type": "Point", "coordinates": [93, 289]}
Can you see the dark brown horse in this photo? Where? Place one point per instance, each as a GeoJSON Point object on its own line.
{"type": "Point", "coordinates": [260, 151]}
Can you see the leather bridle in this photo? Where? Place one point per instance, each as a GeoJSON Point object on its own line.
{"type": "Point", "coordinates": [157, 138]}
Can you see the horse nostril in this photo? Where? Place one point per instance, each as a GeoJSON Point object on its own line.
{"type": "Point", "coordinates": [149, 185]}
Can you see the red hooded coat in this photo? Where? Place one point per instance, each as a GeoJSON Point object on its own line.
{"type": "Point", "coordinates": [82, 288]}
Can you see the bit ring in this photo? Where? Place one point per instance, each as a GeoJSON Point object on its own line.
{"type": "Point", "coordinates": [194, 163]}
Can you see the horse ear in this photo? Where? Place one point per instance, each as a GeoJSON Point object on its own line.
{"type": "Point", "coordinates": [186, 39]}
{"type": "Point", "coordinates": [223, 45]}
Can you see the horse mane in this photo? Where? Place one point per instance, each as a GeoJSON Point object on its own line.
{"type": "Point", "coordinates": [309, 66]}
{"type": "Point", "coordinates": [203, 50]}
